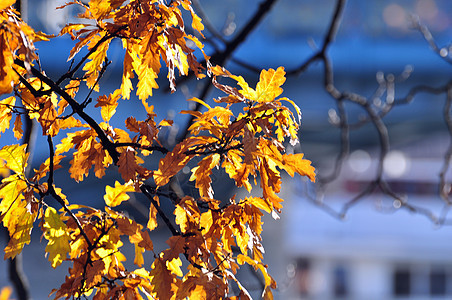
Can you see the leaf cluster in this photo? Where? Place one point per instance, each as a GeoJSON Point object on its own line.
{"type": "Point", "coordinates": [213, 238]}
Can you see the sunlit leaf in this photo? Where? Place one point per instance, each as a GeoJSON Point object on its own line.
{"type": "Point", "coordinates": [58, 236]}
{"type": "Point", "coordinates": [6, 3]}
{"type": "Point", "coordinates": [118, 194]}
{"type": "Point", "coordinates": [15, 157]}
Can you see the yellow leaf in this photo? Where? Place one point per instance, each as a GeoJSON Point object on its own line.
{"type": "Point", "coordinates": [100, 8]}
{"type": "Point", "coordinates": [196, 23]}
{"type": "Point", "coordinates": [58, 236]}
{"type": "Point", "coordinates": [246, 91]}
{"type": "Point", "coordinates": [269, 85]}
{"type": "Point", "coordinates": [174, 266]}
{"type": "Point", "coordinates": [5, 293]}
{"type": "Point", "coordinates": [11, 193]}
{"type": "Point", "coordinates": [126, 84]}
{"type": "Point", "coordinates": [70, 28]}
{"type": "Point", "coordinates": [260, 203]}
{"type": "Point", "coordinates": [19, 230]}
{"type": "Point", "coordinates": [116, 195]}
{"type": "Point", "coordinates": [187, 214]}
{"type": "Point", "coordinates": [200, 102]}
{"type": "Point", "coordinates": [165, 122]}
{"type": "Point", "coordinates": [270, 283]}
{"type": "Point", "coordinates": [206, 221]}
{"type": "Point", "coordinates": [152, 221]}
{"type": "Point", "coordinates": [97, 58]}
{"type": "Point", "coordinates": [6, 112]}
{"type": "Point", "coordinates": [15, 157]}
{"type": "Point", "coordinates": [6, 4]}
{"type": "Point", "coordinates": [146, 81]}
{"type": "Point", "coordinates": [4, 172]}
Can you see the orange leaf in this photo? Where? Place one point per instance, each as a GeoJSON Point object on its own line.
{"type": "Point", "coordinates": [47, 116]}
{"type": "Point", "coordinates": [295, 163]}
{"type": "Point", "coordinates": [7, 75]}
{"type": "Point", "coordinates": [171, 164]}
{"type": "Point", "coordinates": [202, 173]}
{"type": "Point", "coordinates": [132, 124]}
{"type": "Point", "coordinates": [18, 131]}
{"type": "Point", "coordinates": [128, 164]}
{"type": "Point", "coordinates": [163, 280]}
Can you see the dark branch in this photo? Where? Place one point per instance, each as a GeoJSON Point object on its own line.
{"type": "Point", "coordinates": [78, 108]}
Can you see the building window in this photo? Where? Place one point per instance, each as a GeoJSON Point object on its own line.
{"type": "Point", "coordinates": [438, 282]}
{"type": "Point", "coordinates": [302, 276]}
{"type": "Point", "coordinates": [340, 281]}
{"type": "Point", "coordinates": [422, 279]}
{"type": "Point", "coordinates": [402, 282]}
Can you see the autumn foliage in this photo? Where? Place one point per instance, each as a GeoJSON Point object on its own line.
{"type": "Point", "coordinates": [242, 133]}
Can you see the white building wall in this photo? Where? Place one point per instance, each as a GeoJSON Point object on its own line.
{"type": "Point", "coordinates": [371, 279]}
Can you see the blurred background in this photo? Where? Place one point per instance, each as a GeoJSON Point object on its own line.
{"type": "Point", "coordinates": [349, 236]}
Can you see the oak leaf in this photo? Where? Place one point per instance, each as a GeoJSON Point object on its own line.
{"type": "Point", "coordinates": [164, 281]}
{"type": "Point", "coordinates": [58, 236]}
{"type": "Point", "coordinates": [118, 194]}
{"type": "Point", "coordinates": [269, 85]}
{"type": "Point", "coordinates": [6, 3]}
{"type": "Point", "coordinates": [18, 131]}
{"type": "Point", "coordinates": [202, 173]}
{"type": "Point", "coordinates": [108, 105]}
{"type": "Point", "coordinates": [15, 157]}
{"type": "Point", "coordinates": [20, 233]}
{"type": "Point", "coordinates": [172, 163]}
{"type": "Point", "coordinates": [127, 163]}
{"type": "Point", "coordinates": [6, 106]}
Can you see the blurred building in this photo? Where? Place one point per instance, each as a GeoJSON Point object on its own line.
{"type": "Point", "coordinates": [380, 250]}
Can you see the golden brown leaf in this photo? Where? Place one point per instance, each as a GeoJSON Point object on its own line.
{"type": "Point", "coordinates": [18, 131]}
{"type": "Point", "coordinates": [47, 116]}
{"type": "Point", "coordinates": [108, 105]}
{"type": "Point", "coordinates": [172, 163]}
{"type": "Point", "coordinates": [127, 163]}
{"type": "Point", "coordinates": [202, 173]}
